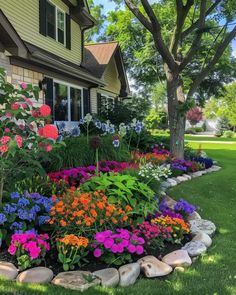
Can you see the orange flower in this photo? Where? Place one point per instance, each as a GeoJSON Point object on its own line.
{"type": "Point", "coordinates": [128, 208]}
{"type": "Point", "coordinates": [94, 213]}
{"type": "Point", "coordinates": [63, 223]}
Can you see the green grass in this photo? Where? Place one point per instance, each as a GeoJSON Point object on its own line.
{"type": "Point", "coordinates": [215, 272]}
{"type": "Point", "coordinates": [208, 138]}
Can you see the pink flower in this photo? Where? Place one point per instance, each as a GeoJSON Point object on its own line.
{"type": "Point", "coordinates": [124, 243]}
{"type": "Point", "coordinates": [24, 105]}
{"type": "Point", "coordinates": [7, 130]}
{"type": "Point", "coordinates": [48, 131]}
{"type": "Point", "coordinates": [5, 139]}
{"type": "Point", "coordinates": [19, 141]}
{"type": "Point", "coordinates": [45, 110]}
{"type": "Point", "coordinates": [114, 248]}
{"type": "Point", "coordinates": [99, 237]}
{"type": "Point", "coordinates": [15, 106]}
{"type": "Point", "coordinates": [120, 248]}
{"type": "Point", "coordinates": [131, 248]}
{"type": "Point", "coordinates": [141, 241]}
{"type": "Point", "coordinates": [34, 252]}
{"type": "Point", "coordinates": [97, 252]}
{"type": "Point", "coordinates": [23, 86]}
{"type": "Point", "coordinates": [8, 115]}
{"type": "Point", "coordinates": [108, 243]}
{"type": "Point", "coordinates": [3, 149]}
{"type": "Point", "coordinates": [28, 101]}
{"type": "Point", "coordinates": [48, 148]}
{"type": "Point", "coordinates": [12, 249]}
{"type": "Point", "coordinates": [139, 250]}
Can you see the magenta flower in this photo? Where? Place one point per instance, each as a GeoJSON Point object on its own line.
{"type": "Point", "coordinates": [12, 249]}
{"type": "Point", "coordinates": [114, 248]}
{"type": "Point", "coordinates": [108, 243]}
{"type": "Point", "coordinates": [132, 248]}
{"type": "Point", "coordinates": [34, 252]}
{"type": "Point", "coordinates": [97, 252]}
{"type": "Point", "coordinates": [100, 237]}
{"type": "Point", "coordinates": [139, 250]}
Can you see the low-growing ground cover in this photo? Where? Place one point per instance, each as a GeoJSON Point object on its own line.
{"type": "Point", "coordinates": [212, 273]}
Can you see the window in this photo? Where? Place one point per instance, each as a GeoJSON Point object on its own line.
{"type": "Point", "coordinates": [55, 23]}
{"type": "Point", "coordinates": [68, 102]}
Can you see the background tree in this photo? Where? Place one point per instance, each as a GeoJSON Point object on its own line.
{"type": "Point", "coordinates": [194, 116]}
{"type": "Point", "coordinates": [193, 54]}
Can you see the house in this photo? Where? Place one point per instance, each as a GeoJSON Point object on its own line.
{"type": "Point", "coordinates": [42, 43]}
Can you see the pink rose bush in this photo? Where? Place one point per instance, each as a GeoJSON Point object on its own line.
{"type": "Point", "coordinates": [29, 248]}
{"type": "Point", "coordinates": [117, 247]}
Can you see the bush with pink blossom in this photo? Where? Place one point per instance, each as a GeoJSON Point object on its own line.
{"type": "Point", "coordinates": [29, 248]}
{"type": "Point", "coordinates": [117, 247]}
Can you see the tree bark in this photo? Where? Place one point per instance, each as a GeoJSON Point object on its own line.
{"type": "Point", "coordinates": [176, 98]}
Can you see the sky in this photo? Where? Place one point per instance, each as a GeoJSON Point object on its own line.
{"type": "Point", "coordinates": [109, 5]}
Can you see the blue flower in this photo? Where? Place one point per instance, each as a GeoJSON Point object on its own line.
{"type": "Point", "coordinates": [61, 126]}
{"type": "Point", "coordinates": [104, 127]}
{"type": "Point", "coordinates": [23, 202]}
{"type": "Point", "coordinates": [15, 195]}
{"type": "Point", "coordinates": [111, 130]}
{"type": "Point", "coordinates": [98, 124]}
{"type": "Point", "coordinates": [138, 128]}
{"type": "Point", "coordinates": [75, 131]}
{"type": "Point", "coordinates": [116, 143]}
{"type": "Point", "coordinates": [35, 209]}
{"type": "Point", "coordinates": [43, 219]}
{"type": "Point", "coordinates": [81, 121]}
{"type": "Point", "coordinates": [9, 208]}
{"type": "Point", "coordinates": [17, 226]}
{"type": "Point", "coordinates": [23, 215]}
{"type": "Point", "coordinates": [3, 218]}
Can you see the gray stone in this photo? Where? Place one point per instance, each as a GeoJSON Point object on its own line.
{"type": "Point", "coordinates": [194, 248]}
{"type": "Point", "coordinates": [170, 202]}
{"type": "Point", "coordinates": [202, 225]}
{"type": "Point", "coordinates": [165, 184]}
{"type": "Point", "coordinates": [176, 179]}
{"type": "Point", "coordinates": [171, 181]}
{"type": "Point", "coordinates": [152, 267]}
{"type": "Point", "coordinates": [8, 270]}
{"type": "Point", "coordinates": [129, 274]}
{"type": "Point", "coordinates": [178, 258]}
{"type": "Point", "coordinates": [109, 277]}
{"type": "Point", "coordinates": [193, 216]}
{"type": "Point", "coordinates": [182, 178]}
{"type": "Point", "coordinates": [187, 176]}
{"type": "Point", "coordinates": [204, 172]}
{"type": "Point", "coordinates": [204, 238]}
{"type": "Point", "coordinates": [37, 275]}
{"type": "Point", "coordinates": [76, 280]}
{"type": "Point", "coordinates": [196, 174]}
{"type": "Point", "coordinates": [215, 168]}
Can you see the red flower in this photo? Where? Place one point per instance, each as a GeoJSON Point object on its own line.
{"type": "Point", "coordinates": [15, 106]}
{"type": "Point", "coordinates": [49, 131]}
{"type": "Point", "coordinates": [19, 141]}
{"type": "Point", "coordinates": [48, 148]}
{"type": "Point", "coordinates": [45, 110]}
{"type": "Point", "coordinates": [5, 139]}
{"type": "Point", "coordinates": [35, 113]}
{"type": "Point", "coordinates": [3, 149]}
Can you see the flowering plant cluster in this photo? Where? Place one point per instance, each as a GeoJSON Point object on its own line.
{"type": "Point", "coordinates": [82, 213]}
{"type": "Point", "coordinates": [176, 227]}
{"type": "Point", "coordinates": [150, 172]}
{"type": "Point", "coordinates": [24, 129]}
{"type": "Point", "coordinates": [29, 248]}
{"type": "Point", "coordinates": [118, 246]}
{"type": "Point", "coordinates": [154, 158]}
{"type": "Point", "coordinates": [205, 162]}
{"type": "Point", "coordinates": [71, 250]}
{"type": "Point", "coordinates": [184, 207]}
{"type": "Point", "coordinates": [24, 213]}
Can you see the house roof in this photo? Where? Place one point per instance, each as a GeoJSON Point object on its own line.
{"type": "Point", "coordinates": [97, 57]}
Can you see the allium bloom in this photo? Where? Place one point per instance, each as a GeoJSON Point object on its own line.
{"type": "Point", "coordinates": [45, 110]}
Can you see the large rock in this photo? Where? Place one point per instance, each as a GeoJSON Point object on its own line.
{"type": "Point", "coordinates": [170, 202]}
{"type": "Point", "coordinates": [193, 216]}
{"type": "Point", "coordinates": [178, 258]}
{"type": "Point", "coordinates": [152, 267]}
{"type": "Point", "coordinates": [37, 275]}
{"type": "Point", "coordinates": [204, 238]}
{"type": "Point", "coordinates": [109, 277]}
{"type": "Point", "coordinates": [215, 168]}
{"type": "Point", "coordinates": [187, 176]}
{"type": "Point", "coordinates": [202, 225]}
{"type": "Point", "coordinates": [194, 248]}
{"type": "Point", "coordinates": [8, 270]}
{"type": "Point", "coordinates": [129, 274]}
{"type": "Point", "coordinates": [165, 185]}
{"type": "Point", "coordinates": [196, 174]}
{"type": "Point", "coordinates": [76, 280]}
{"type": "Point", "coordinates": [176, 179]}
{"type": "Point", "coordinates": [172, 181]}
{"type": "Point", "coordinates": [182, 178]}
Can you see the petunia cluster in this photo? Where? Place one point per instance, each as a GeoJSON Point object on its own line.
{"type": "Point", "coordinates": [116, 247]}
{"type": "Point", "coordinates": [184, 207]}
{"type": "Point", "coordinates": [206, 162]}
{"type": "Point", "coordinates": [25, 212]}
{"type": "Point", "coordinates": [29, 248]}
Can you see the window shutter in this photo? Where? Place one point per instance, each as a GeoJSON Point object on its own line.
{"type": "Point", "coordinates": [42, 17]}
{"type": "Point", "coordinates": [68, 31]}
{"type": "Point", "coordinates": [99, 103]}
{"type": "Point", "coordinates": [86, 101]}
{"type": "Point", "coordinates": [49, 94]}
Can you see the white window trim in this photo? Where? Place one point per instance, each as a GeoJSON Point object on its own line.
{"type": "Point", "coordinates": [70, 85]}
{"type": "Point", "coordinates": [56, 23]}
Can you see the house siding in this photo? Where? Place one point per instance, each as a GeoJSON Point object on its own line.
{"type": "Point", "coordinates": [111, 78]}
{"type": "Point", "coordinates": [24, 16]}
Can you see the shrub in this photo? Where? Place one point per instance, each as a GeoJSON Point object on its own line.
{"type": "Point", "coordinates": [194, 116]}
{"type": "Point", "coordinates": [29, 248]}
{"type": "Point", "coordinates": [156, 120]}
{"type": "Point", "coordinates": [117, 247]}
{"type": "Point", "coordinates": [124, 190]}
{"type": "Point", "coordinates": [228, 134]}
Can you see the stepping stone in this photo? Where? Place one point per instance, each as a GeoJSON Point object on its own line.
{"type": "Point", "coordinates": [202, 225]}
{"type": "Point", "coordinates": [193, 216]}
{"type": "Point", "coordinates": [37, 275]}
{"type": "Point", "coordinates": [170, 202]}
{"type": "Point", "coordinates": [8, 270]}
{"type": "Point", "coordinates": [76, 280]}
{"type": "Point", "coordinates": [204, 238]}
{"type": "Point", "coordinates": [178, 258]}
{"type": "Point", "coordinates": [194, 248]}
{"type": "Point", "coordinates": [152, 267]}
{"type": "Point", "coordinates": [129, 274]}
{"type": "Point", "coordinates": [109, 277]}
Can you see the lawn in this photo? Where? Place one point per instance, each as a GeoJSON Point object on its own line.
{"type": "Point", "coordinates": [214, 273]}
{"type": "Point", "coordinates": [208, 138]}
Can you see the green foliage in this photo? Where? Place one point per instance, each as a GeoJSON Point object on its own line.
{"type": "Point", "coordinates": [156, 120]}
{"type": "Point", "coordinates": [229, 134]}
{"type": "Point", "coordinates": [78, 152]}
{"type": "Point", "coordinates": [126, 190]}
{"type": "Point", "coordinates": [222, 125]}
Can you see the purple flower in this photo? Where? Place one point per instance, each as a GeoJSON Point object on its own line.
{"type": "Point", "coordinates": [131, 248]}
{"type": "Point", "coordinates": [114, 248]}
{"type": "Point", "coordinates": [3, 218]}
{"type": "Point", "coordinates": [97, 252]}
{"type": "Point", "coordinates": [139, 250]}
{"type": "Point", "coordinates": [108, 243]}
{"type": "Point", "coordinates": [100, 237]}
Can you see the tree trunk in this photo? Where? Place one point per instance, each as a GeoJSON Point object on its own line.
{"type": "Point", "coordinates": [176, 98]}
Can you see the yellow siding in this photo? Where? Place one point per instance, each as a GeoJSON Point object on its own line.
{"type": "Point", "coordinates": [24, 16]}
{"type": "Point", "coordinates": [93, 100]}
{"type": "Point", "coordinates": [111, 78]}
